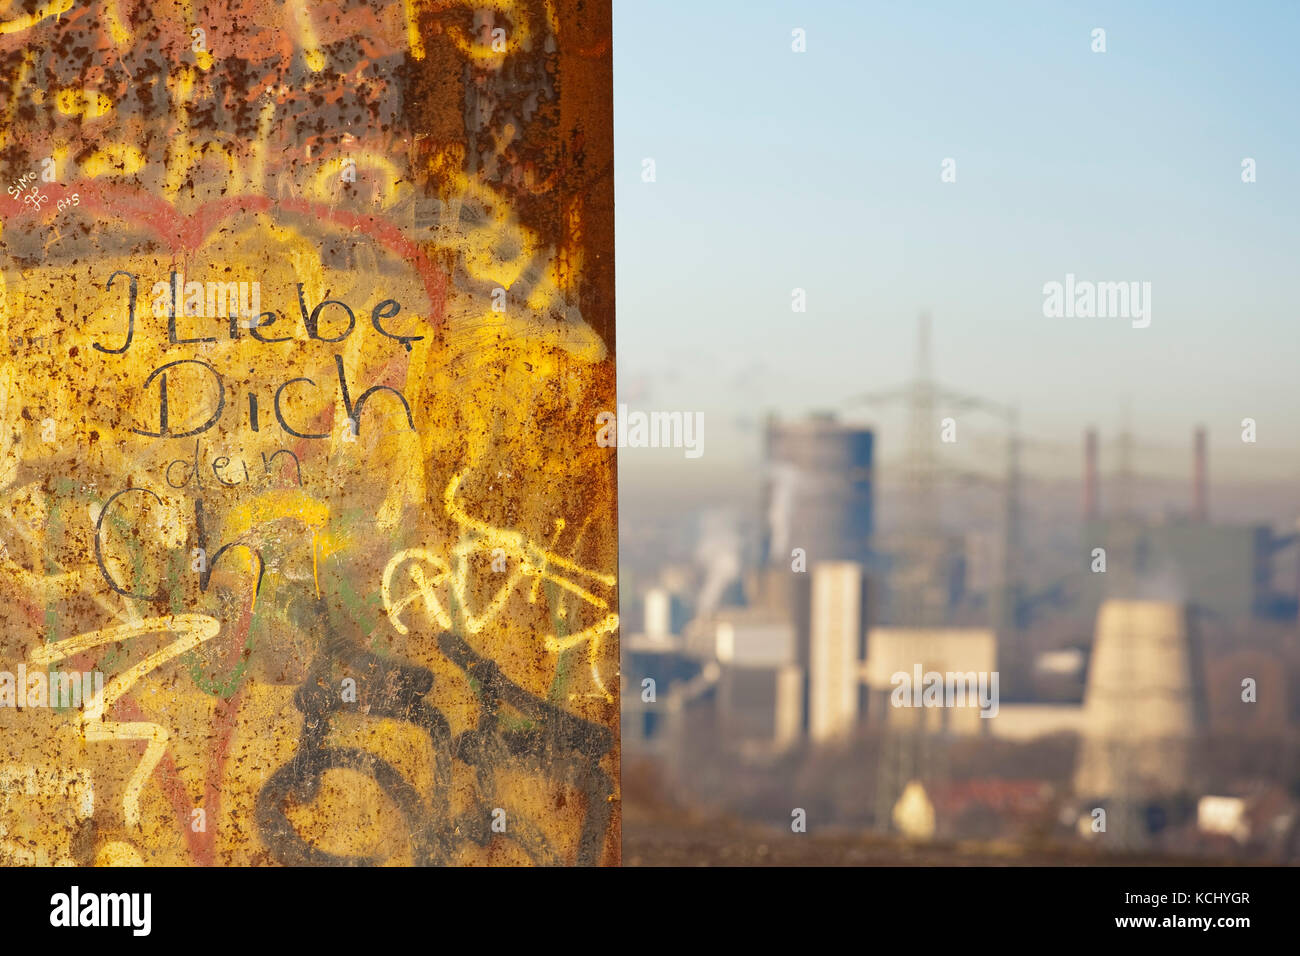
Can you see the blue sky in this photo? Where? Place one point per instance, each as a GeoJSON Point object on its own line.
{"type": "Point", "coordinates": [821, 170]}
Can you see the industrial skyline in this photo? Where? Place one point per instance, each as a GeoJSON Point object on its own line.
{"type": "Point", "coordinates": [1080, 632]}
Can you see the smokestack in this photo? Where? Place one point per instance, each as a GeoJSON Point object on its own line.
{"type": "Point", "coordinates": [1200, 501]}
{"type": "Point", "coordinates": [1090, 499]}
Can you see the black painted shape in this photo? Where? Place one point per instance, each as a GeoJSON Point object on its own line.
{"type": "Point", "coordinates": [566, 743]}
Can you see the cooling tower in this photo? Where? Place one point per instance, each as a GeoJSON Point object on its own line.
{"type": "Point", "coordinates": [817, 491]}
{"type": "Point", "coordinates": [1144, 703]}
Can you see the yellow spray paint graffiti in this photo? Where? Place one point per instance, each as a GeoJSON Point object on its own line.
{"type": "Point", "coordinates": [299, 364]}
{"type": "Point", "coordinates": [530, 559]}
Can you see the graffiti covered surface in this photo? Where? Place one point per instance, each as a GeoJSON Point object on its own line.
{"type": "Point", "coordinates": [308, 313]}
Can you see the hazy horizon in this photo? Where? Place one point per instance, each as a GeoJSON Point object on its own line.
{"type": "Point", "coordinates": [821, 171]}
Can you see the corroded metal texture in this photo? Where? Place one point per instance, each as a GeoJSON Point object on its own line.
{"type": "Point", "coordinates": [308, 317]}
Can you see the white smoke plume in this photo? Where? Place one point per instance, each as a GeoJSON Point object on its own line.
{"type": "Point", "coordinates": [784, 478]}
{"type": "Point", "coordinates": [719, 551]}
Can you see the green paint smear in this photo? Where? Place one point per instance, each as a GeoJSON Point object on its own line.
{"type": "Point", "coordinates": [564, 665]}
{"type": "Point", "coordinates": [511, 722]}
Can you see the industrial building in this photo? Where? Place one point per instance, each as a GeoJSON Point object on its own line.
{"type": "Point", "coordinates": [760, 707]}
{"type": "Point", "coordinates": [817, 491]}
{"type": "Point", "coordinates": [838, 639]}
{"type": "Point", "coordinates": [761, 687]}
{"type": "Point", "coordinates": [1221, 570]}
{"type": "Point", "coordinates": [1224, 570]}
{"type": "Point", "coordinates": [891, 650]}
{"type": "Point", "coordinates": [656, 653]}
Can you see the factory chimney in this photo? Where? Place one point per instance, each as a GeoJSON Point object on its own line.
{"type": "Point", "coordinates": [1090, 499]}
{"type": "Point", "coordinates": [1200, 500]}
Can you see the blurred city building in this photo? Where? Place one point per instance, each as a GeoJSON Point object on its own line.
{"type": "Point", "coordinates": [890, 650]}
{"type": "Point", "coordinates": [836, 648]}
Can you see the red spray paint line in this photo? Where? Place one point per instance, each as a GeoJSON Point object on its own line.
{"type": "Point", "coordinates": [183, 233]}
